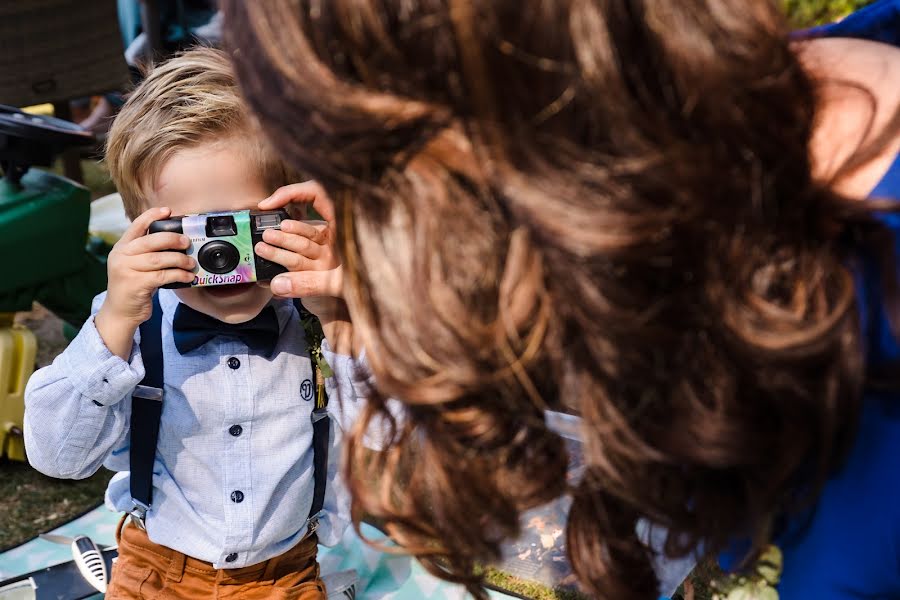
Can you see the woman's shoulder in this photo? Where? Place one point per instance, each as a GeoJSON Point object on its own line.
{"type": "Point", "coordinates": [857, 113]}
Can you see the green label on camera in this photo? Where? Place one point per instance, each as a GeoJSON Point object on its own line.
{"type": "Point", "coordinates": [214, 252]}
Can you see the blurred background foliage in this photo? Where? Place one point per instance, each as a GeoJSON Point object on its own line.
{"type": "Point", "coordinates": [804, 13]}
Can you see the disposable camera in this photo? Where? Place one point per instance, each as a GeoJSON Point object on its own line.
{"type": "Point", "coordinates": [222, 243]}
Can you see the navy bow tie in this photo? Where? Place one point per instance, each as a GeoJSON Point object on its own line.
{"type": "Point", "coordinates": [191, 329]}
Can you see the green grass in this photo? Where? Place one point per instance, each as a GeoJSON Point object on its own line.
{"type": "Point", "coordinates": [31, 503]}
{"type": "Point", "coordinates": [529, 589]}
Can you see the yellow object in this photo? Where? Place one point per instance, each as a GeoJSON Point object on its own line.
{"type": "Point", "coordinates": [18, 348]}
{"type": "Point", "coordinates": [39, 109]}
{"type": "Point", "coordinates": [761, 584]}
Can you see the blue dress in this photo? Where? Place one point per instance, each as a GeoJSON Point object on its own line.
{"type": "Point", "coordinates": [849, 547]}
{"type": "Point", "coordinates": [879, 22]}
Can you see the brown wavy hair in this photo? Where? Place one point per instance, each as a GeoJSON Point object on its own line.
{"type": "Point", "coordinates": [599, 206]}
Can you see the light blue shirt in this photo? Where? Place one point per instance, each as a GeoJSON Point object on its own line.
{"type": "Point", "coordinates": [77, 414]}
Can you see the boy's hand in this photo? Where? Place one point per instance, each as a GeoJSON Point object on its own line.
{"type": "Point", "coordinates": [137, 265]}
{"type": "Point", "coordinates": [307, 250]}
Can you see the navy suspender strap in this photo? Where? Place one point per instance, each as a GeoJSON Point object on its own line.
{"type": "Point", "coordinates": [320, 423]}
{"type": "Point", "coordinates": [321, 442]}
{"type": "Point", "coordinates": [146, 410]}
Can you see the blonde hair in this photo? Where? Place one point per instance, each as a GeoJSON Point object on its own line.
{"type": "Point", "coordinates": [188, 100]}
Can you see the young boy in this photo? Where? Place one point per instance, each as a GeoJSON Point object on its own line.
{"type": "Point", "coordinates": [233, 476]}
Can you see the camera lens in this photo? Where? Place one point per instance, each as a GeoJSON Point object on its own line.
{"type": "Point", "coordinates": [218, 257]}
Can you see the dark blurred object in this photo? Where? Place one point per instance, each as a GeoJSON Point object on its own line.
{"type": "Point", "coordinates": [152, 30]}
{"type": "Point", "coordinates": [169, 26]}
{"type": "Point", "coordinates": [52, 51]}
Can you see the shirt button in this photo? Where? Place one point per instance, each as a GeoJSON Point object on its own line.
{"type": "Point", "coordinates": [231, 557]}
{"type": "Point", "coordinates": [237, 496]}
{"type": "Point", "coordinates": [234, 363]}
{"type": "Point", "coordinates": [235, 430]}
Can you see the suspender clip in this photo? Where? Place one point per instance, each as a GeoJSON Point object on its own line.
{"type": "Point", "coordinates": [147, 392]}
{"type": "Point", "coordinates": [312, 524]}
{"type": "Point", "coordinates": [139, 514]}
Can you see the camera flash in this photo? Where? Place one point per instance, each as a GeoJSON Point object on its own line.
{"type": "Point", "coordinates": [268, 221]}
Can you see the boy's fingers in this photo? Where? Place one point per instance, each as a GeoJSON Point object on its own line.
{"type": "Point", "coordinates": [140, 225]}
{"type": "Point", "coordinates": [308, 192]}
{"type": "Point", "coordinates": [154, 242]}
{"type": "Point", "coordinates": [156, 261]}
{"type": "Point", "coordinates": [294, 243]}
{"type": "Point", "coordinates": [286, 258]}
{"type": "Point", "coordinates": [167, 276]}
{"type": "Point", "coordinates": [308, 283]}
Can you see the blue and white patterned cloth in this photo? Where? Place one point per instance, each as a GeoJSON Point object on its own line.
{"type": "Point", "coordinates": [233, 475]}
{"type": "Point", "coordinates": [381, 576]}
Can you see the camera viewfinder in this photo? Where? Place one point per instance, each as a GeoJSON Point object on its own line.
{"type": "Point", "coordinates": [220, 226]}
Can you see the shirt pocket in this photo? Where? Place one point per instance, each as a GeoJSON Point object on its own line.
{"type": "Point", "coordinates": [289, 394]}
